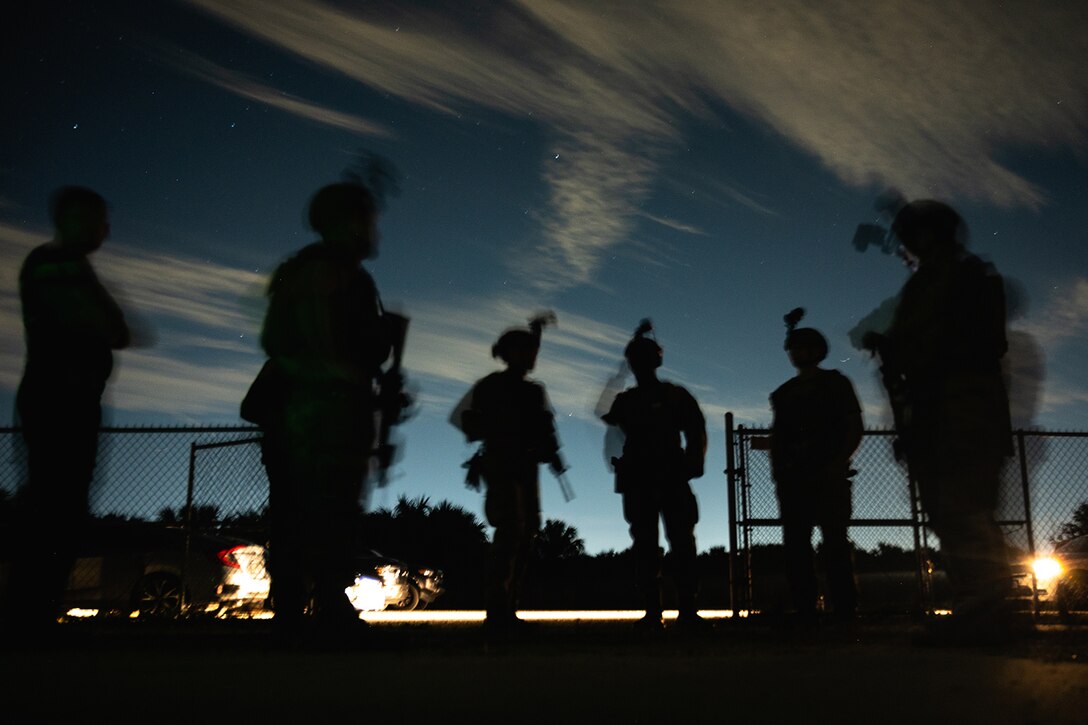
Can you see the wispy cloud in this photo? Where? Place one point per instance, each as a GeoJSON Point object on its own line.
{"type": "Point", "coordinates": [206, 356]}
{"type": "Point", "coordinates": [247, 87]}
{"type": "Point", "coordinates": [1061, 323]}
{"type": "Point", "coordinates": [729, 194]}
{"type": "Point", "coordinates": [674, 224]}
{"type": "Point", "coordinates": [187, 290]}
{"type": "Point", "coordinates": [606, 141]}
{"type": "Point", "coordinates": [1060, 398]}
{"type": "Point", "coordinates": [919, 96]}
{"type": "Point", "coordinates": [150, 381]}
{"type": "Point", "coordinates": [15, 243]}
{"type": "Point", "coordinates": [197, 310]}
{"type": "Point", "coordinates": [449, 348]}
{"type": "Point", "coordinates": [1064, 317]}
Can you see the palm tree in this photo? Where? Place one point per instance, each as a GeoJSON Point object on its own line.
{"type": "Point", "coordinates": [557, 540]}
{"type": "Point", "coordinates": [1077, 527]}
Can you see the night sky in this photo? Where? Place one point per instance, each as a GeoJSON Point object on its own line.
{"type": "Point", "coordinates": [701, 164]}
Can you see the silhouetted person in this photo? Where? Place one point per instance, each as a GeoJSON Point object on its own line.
{"type": "Point", "coordinates": [511, 415]}
{"type": "Point", "coordinates": [664, 448]}
{"type": "Point", "coordinates": [72, 326]}
{"type": "Point", "coordinates": [817, 427]}
{"type": "Point", "coordinates": [326, 337]}
{"type": "Point", "coordinates": [942, 361]}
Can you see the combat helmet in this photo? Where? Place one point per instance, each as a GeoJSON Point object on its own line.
{"type": "Point", "coordinates": [808, 337]}
{"type": "Point", "coordinates": [522, 338]}
{"type": "Point", "coordinates": [644, 350]}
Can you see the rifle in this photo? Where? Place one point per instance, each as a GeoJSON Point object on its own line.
{"type": "Point", "coordinates": [556, 463]}
{"type": "Point", "coordinates": [393, 401]}
{"type": "Point", "coordinates": [559, 468]}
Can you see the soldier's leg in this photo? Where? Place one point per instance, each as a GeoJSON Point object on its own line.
{"type": "Point", "coordinates": [797, 524]}
{"type": "Point", "coordinates": [61, 449]}
{"type": "Point", "coordinates": [680, 513]}
{"type": "Point", "coordinates": [838, 553]}
{"type": "Point", "coordinates": [641, 510]}
{"type": "Point", "coordinates": [286, 538]}
{"type": "Point", "coordinates": [527, 507]}
{"type": "Point", "coordinates": [335, 465]}
{"type": "Point", "coordinates": [330, 531]}
{"type": "Point", "coordinates": [501, 512]}
{"type": "Point", "coordinates": [962, 505]}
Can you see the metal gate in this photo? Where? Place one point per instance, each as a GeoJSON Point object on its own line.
{"type": "Point", "coordinates": [886, 502]}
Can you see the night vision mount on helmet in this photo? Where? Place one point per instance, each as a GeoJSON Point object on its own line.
{"type": "Point", "coordinates": [644, 347]}
{"type": "Point", "coordinates": [804, 336]}
{"type": "Point", "coordinates": [523, 337]}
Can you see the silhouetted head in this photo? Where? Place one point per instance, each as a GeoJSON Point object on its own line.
{"type": "Point", "coordinates": [81, 217]}
{"type": "Point", "coordinates": [518, 348]}
{"type": "Point", "coordinates": [927, 228]}
{"type": "Point", "coordinates": [346, 214]}
{"type": "Point", "coordinates": [644, 354]}
{"type": "Point", "coordinates": [806, 347]}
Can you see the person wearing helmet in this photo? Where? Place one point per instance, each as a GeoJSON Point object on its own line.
{"type": "Point", "coordinates": [944, 349]}
{"type": "Point", "coordinates": [326, 337]}
{"type": "Point", "coordinates": [512, 418]}
{"type": "Point", "coordinates": [816, 428]}
{"type": "Point", "coordinates": [664, 448]}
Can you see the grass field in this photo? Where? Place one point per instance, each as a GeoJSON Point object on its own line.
{"type": "Point", "coordinates": [743, 670]}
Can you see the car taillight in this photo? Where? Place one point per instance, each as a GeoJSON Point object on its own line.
{"type": "Point", "coordinates": [226, 557]}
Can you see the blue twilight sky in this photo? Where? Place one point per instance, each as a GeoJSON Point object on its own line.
{"type": "Point", "coordinates": [702, 164]}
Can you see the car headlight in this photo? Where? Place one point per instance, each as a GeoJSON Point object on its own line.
{"type": "Point", "coordinates": [1046, 568]}
{"type": "Point", "coordinates": [390, 574]}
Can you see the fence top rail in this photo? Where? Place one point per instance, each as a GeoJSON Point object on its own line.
{"type": "Point", "coordinates": [874, 523]}
{"type": "Point", "coordinates": [866, 523]}
{"type": "Point", "coordinates": [226, 444]}
{"type": "Point", "coordinates": [744, 431]}
{"type": "Point", "coordinates": [161, 429]}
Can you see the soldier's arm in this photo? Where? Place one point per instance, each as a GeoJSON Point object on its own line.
{"type": "Point", "coordinates": [615, 414]}
{"type": "Point", "coordinates": [66, 297]}
{"type": "Point", "coordinates": [775, 450]}
{"type": "Point", "coordinates": [695, 439]}
{"type": "Point", "coordinates": [458, 413]}
{"type": "Point", "coordinates": [358, 321]}
{"type": "Point", "coordinates": [472, 419]}
{"type": "Point", "coordinates": [549, 436]}
{"type": "Point", "coordinates": [853, 426]}
{"type": "Point", "coordinates": [115, 327]}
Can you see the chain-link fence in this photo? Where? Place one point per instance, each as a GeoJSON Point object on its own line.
{"type": "Point", "coordinates": [896, 556]}
{"type": "Point", "coordinates": [157, 474]}
{"type": "Point", "coordinates": [199, 479]}
{"type": "Point", "coordinates": [212, 478]}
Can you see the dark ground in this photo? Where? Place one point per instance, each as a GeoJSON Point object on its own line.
{"type": "Point", "coordinates": [750, 670]}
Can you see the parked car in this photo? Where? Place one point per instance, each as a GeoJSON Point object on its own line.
{"type": "Point", "coordinates": [386, 583]}
{"type": "Point", "coordinates": [1062, 577]}
{"type": "Point", "coordinates": [145, 569]}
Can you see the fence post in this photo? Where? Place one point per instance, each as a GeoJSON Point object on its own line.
{"type": "Point", "coordinates": [731, 487]}
{"type": "Point", "coordinates": [741, 471]}
{"type": "Point", "coordinates": [921, 545]}
{"type": "Point", "coordinates": [1026, 489]}
{"type": "Point", "coordinates": [188, 522]}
